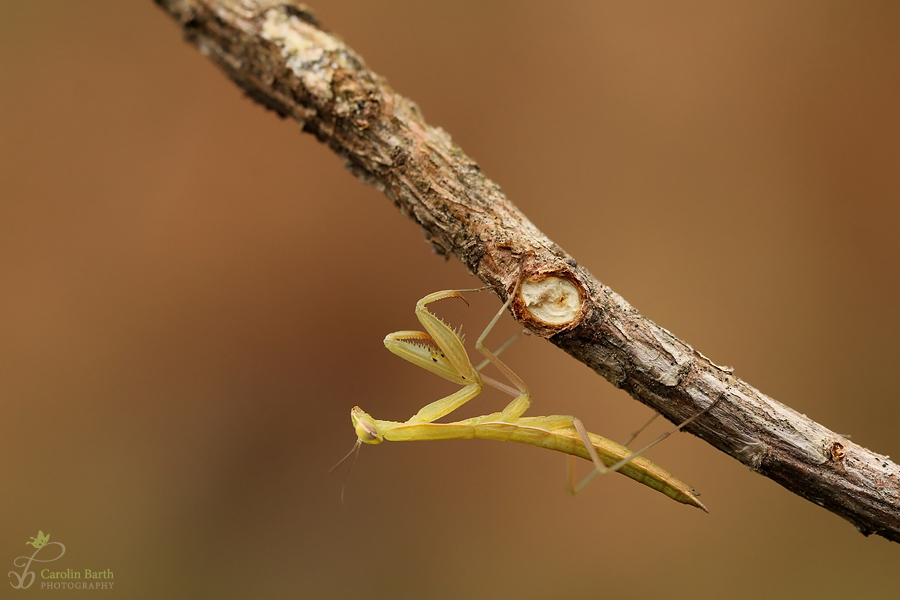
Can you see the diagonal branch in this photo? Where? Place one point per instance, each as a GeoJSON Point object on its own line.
{"type": "Point", "coordinates": [280, 55]}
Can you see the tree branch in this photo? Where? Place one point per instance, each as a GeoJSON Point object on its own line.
{"type": "Point", "coordinates": [282, 58]}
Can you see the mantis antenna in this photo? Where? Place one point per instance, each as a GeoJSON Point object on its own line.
{"type": "Point", "coordinates": [354, 451]}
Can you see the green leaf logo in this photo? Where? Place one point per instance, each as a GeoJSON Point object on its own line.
{"type": "Point", "coordinates": [40, 540]}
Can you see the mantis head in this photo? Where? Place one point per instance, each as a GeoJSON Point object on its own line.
{"type": "Point", "coordinates": [366, 430]}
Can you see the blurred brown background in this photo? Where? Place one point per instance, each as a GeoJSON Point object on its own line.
{"type": "Point", "coordinates": [193, 296]}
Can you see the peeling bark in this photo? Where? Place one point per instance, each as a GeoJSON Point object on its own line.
{"type": "Point", "coordinates": [283, 58]}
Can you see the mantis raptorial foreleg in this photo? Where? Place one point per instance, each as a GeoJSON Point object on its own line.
{"type": "Point", "coordinates": [440, 350]}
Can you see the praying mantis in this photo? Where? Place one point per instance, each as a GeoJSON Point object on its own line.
{"type": "Point", "coordinates": [440, 349]}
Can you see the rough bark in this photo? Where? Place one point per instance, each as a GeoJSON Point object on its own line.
{"type": "Point", "coordinates": [283, 58]}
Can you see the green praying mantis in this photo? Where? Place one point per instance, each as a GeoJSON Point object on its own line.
{"type": "Point", "coordinates": [440, 349]}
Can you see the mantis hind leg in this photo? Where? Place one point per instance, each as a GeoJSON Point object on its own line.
{"type": "Point", "coordinates": [640, 429]}
{"type": "Point", "coordinates": [602, 469]}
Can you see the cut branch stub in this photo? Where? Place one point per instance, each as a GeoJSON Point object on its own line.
{"type": "Point", "coordinates": [550, 302]}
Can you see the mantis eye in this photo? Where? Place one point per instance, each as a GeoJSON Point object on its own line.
{"type": "Point", "coordinates": [368, 433]}
{"type": "Point", "coordinates": [365, 427]}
